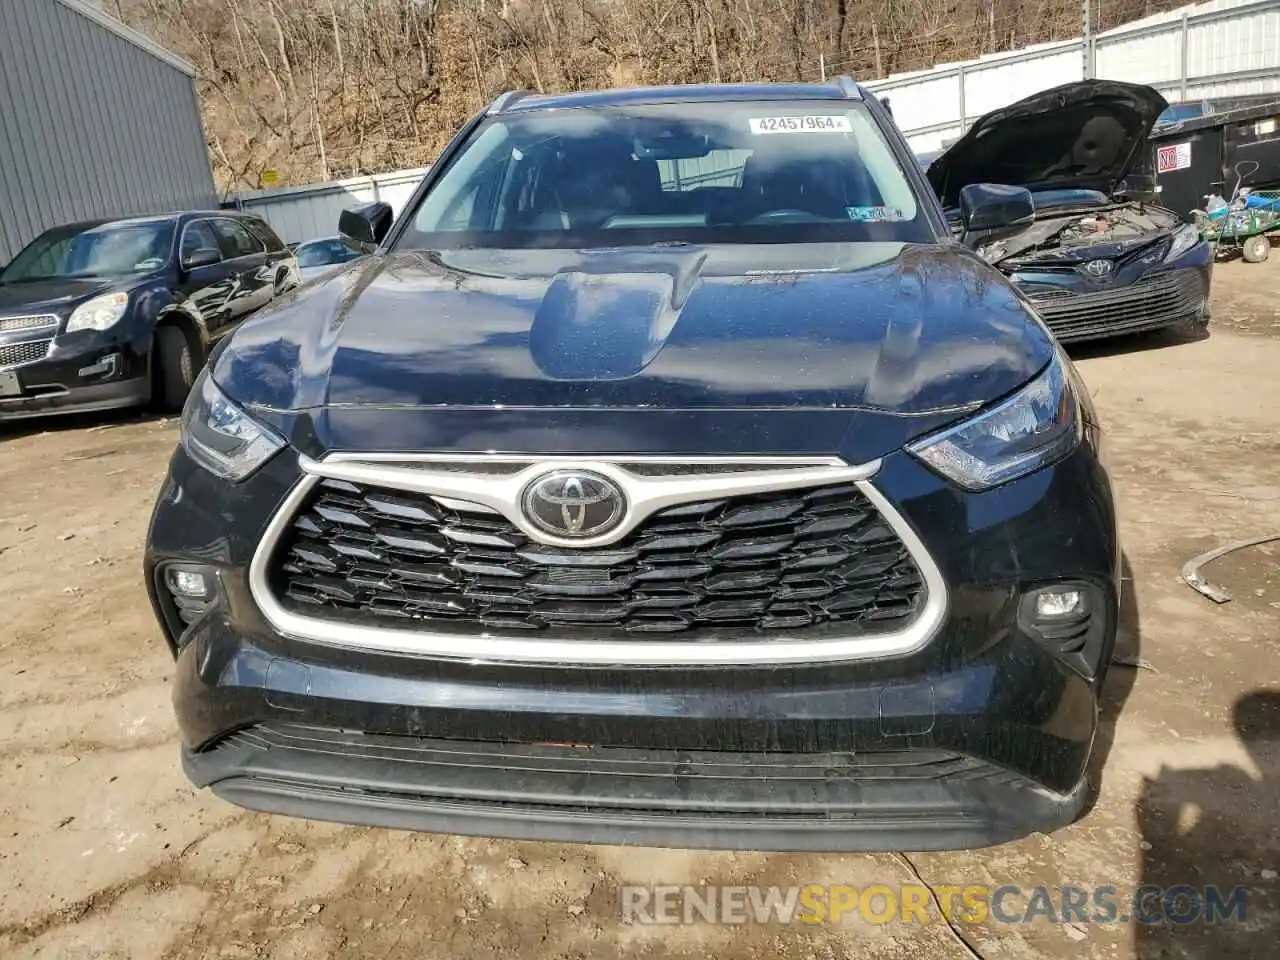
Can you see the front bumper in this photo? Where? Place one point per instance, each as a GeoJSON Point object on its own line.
{"type": "Point", "coordinates": [1151, 302]}
{"type": "Point", "coordinates": [76, 373]}
{"type": "Point", "coordinates": [981, 736]}
{"type": "Point", "coordinates": [917, 799]}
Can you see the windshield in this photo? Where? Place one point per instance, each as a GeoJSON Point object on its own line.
{"type": "Point", "coordinates": [322, 253]}
{"type": "Point", "coordinates": [730, 172]}
{"type": "Point", "coordinates": [85, 252]}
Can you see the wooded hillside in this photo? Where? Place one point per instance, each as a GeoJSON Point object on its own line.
{"type": "Point", "coordinates": [325, 89]}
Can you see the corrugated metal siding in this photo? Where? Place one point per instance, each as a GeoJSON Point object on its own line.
{"type": "Point", "coordinates": [91, 125]}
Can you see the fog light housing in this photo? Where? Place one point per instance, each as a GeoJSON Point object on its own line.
{"type": "Point", "coordinates": [189, 591]}
{"type": "Point", "coordinates": [1070, 621]}
{"type": "Point", "coordinates": [105, 368]}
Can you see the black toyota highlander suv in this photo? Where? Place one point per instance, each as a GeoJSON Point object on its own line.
{"type": "Point", "coordinates": [667, 475]}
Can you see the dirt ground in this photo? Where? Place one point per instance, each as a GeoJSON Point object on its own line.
{"type": "Point", "coordinates": [105, 851]}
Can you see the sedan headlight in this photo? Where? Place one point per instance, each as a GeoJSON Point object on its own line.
{"type": "Point", "coordinates": [100, 313]}
{"type": "Point", "coordinates": [1038, 425]}
{"type": "Point", "coordinates": [221, 437]}
{"type": "Point", "coordinates": [1184, 238]}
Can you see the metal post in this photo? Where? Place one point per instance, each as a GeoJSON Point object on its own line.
{"type": "Point", "coordinates": [1086, 40]}
{"type": "Point", "coordinates": [1185, 56]}
{"type": "Point", "coordinates": [960, 81]}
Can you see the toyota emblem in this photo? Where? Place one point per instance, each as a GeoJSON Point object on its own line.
{"type": "Point", "coordinates": [574, 504]}
{"type": "Point", "coordinates": [1098, 268]}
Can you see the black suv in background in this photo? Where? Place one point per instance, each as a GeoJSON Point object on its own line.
{"type": "Point", "coordinates": [667, 475]}
{"type": "Point", "coordinates": [116, 313]}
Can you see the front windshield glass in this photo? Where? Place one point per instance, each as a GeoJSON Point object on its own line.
{"type": "Point", "coordinates": [111, 249]}
{"type": "Point", "coordinates": [728, 172]}
{"type": "Point", "coordinates": [322, 253]}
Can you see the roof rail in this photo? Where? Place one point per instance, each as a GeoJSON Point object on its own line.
{"type": "Point", "coordinates": [504, 100]}
{"type": "Point", "coordinates": [849, 87]}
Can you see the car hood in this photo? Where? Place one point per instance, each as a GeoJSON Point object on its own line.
{"type": "Point", "coordinates": [48, 296]}
{"type": "Point", "coordinates": [1084, 135]}
{"type": "Point", "coordinates": [723, 334]}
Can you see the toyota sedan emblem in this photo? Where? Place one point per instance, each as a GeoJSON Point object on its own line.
{"type": "Point", "coordinates": [1098, 268]}
{"type": "Point", "coordinates": [574, 504]}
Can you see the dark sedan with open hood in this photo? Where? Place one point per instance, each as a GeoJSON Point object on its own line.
{"type": "Point", "coordinates": [665, 475]}
{"type": "Point", "coordinates": [1094, 260]}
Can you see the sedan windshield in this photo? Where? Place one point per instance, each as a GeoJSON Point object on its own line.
{"type": "Point", "coordinates": [111, 249]}
{"type": "Point", "coordinates": [728, 172]}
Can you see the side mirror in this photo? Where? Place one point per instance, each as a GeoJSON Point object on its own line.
{"type": "Point", "coordinates": [201, 257]}
{"type": "Point", "coordinates": [993, 206]}
{"type": "Point", "coordinates": [365, 226]}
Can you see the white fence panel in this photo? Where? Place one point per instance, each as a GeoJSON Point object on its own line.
{"type": "Point", "coordinates": [929, 98]}
{"type": "Point", "coordinates": [1153, 59]}
{"type": "Point", "coordinates": [305, 213]}
{"type": "Point", "coordinates": [991, 84]}
{"type": "Point", "coordinates": [1215, 49]}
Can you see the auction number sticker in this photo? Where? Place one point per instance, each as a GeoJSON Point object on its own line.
{"type": "Point", "coordinates": [804, 124]}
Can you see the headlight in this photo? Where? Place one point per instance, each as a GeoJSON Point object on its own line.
{"type": "Point", "coordinates": [99, 313]}
{"type": "Point", "coordinates": [1184, 238]}
{"type": "Point", "coordinates": [1038, 425]}
{"type": "Point", "coordinates": [221, 437]}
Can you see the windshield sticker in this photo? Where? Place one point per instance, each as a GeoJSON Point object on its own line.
{"type": "Point", "coordinates": [875, 214]}
{"type": "Point", "coordinates": [806, 124]}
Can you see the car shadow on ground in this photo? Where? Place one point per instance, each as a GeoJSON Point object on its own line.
{"type": "Point", "coordinates": [1119, 682]}
{"type": "Point", "coordinates": [1135, 343]}
{"type": "Point", "coordinates": [1213, 832]}
{"type": "Point", "coordinates": [69, 422]}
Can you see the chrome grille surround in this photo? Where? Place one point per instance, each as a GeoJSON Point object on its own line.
{"type": "Point", "coordinates": [493, 483]}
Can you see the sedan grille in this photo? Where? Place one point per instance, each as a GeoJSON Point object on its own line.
{"type": "Point", "coordinates": [13, 354]}
{"type": "Point", "coordinates": [37, 322]}
{"type": "Point", "coordinates": [790, 561]}
{"type": "Point", "coordinates": [1151, 302]}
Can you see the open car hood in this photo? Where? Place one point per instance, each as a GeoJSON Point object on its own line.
{"type": "Point", "coordinates": [1084, 135]}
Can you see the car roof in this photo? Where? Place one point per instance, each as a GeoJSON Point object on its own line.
{"type": "Point", "coordinates": [152, 218]}
{"type": "Point", "coordinates": [81, 225]}
{"type": "Point", "coordinates": [841, 88]}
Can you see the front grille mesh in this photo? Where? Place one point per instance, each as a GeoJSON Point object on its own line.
{"type": "Point", "coordinates": [781, 562]}
{"type": "Point", "coordinates": [12, 354]}
{"type": "Point", "coordinates": [1152, 302]}
{"type": "Point", "coordinates": [37, 322]}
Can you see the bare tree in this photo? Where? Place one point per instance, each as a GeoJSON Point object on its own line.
{"type": "Point", "coordinates": [313, 88]}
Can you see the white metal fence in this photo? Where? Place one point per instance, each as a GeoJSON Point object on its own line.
{"type": "Point", "coordinates": [305, 213]}
{"type": "Point", "coordinates": [1222, 48]}
{"type": "Point", "coordinates": [1219, 49]}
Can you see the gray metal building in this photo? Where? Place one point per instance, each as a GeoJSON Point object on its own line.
{"type": "Point", "coordinates": [96, 120]}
